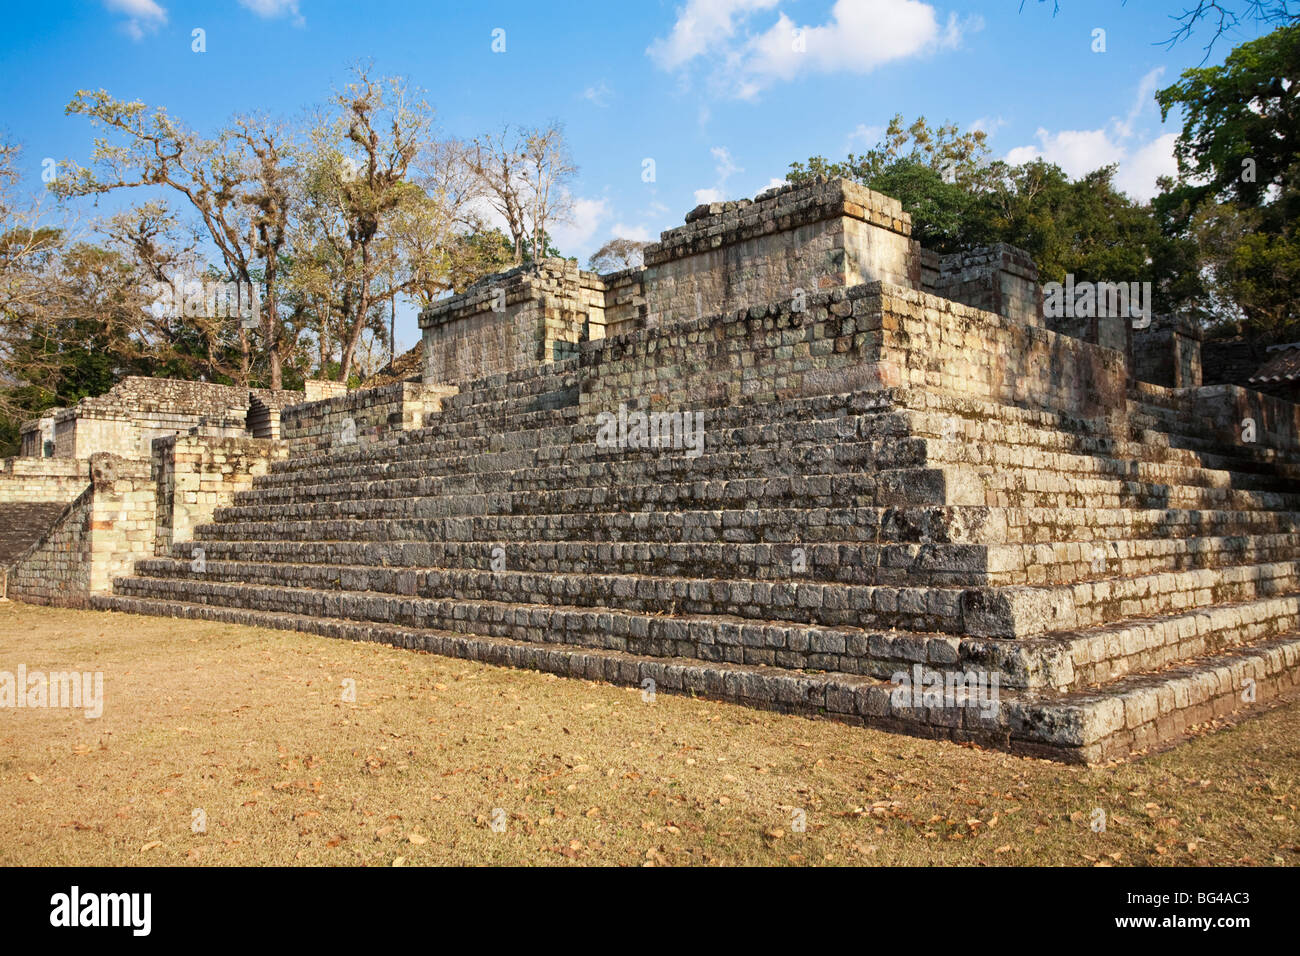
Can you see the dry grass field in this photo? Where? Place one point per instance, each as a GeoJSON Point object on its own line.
{"type": "Point", "coordinates": [249, 726]}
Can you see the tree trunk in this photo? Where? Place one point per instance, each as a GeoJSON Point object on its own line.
{"type": "Point", "coordinates": [244, 360]}
{"type": "Point", "coordinates": [359, 322]}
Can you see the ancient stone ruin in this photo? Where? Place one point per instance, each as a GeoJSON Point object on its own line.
{"type": "Point", "coordinates": [919, 503]}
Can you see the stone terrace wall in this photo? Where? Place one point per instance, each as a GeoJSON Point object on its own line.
{"type": "Point", "coordinates": [811, 237]}
{"type": "Point", "coordinates": [1222, 409]}
{"type": "Point", "coordinates": [125, 420]}
{"type": "Point", "coordinates": [625, 303]}
{"type": "Point", "coordinates": [1231, 361]}
{"type": "Point", "coordinates": [361, 417]}
{"type": "Point", "coordinates": [99, 537]}
{"type": "Point", "coordinates": [931, 342]}
{"type": "Point", "coordinates": [37, 436]}
{"type": "Point", "coordinates": [864, 337]}
{"type": "Point", "coordinates": [998, 278]}
{"type": "Point", "coordinates": [517, 319]}
{"type": "Point", "coordinates": [42, 479]}
{"type": "Point", "coordinates": [1168, 353]}
{"type": "Point", "coordinates": [195, 475]}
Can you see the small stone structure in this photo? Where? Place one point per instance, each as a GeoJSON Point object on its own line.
{"type": "Point", "coordinates": [786, 244]}
{"type": "Point", "coordinates": [900, 469]}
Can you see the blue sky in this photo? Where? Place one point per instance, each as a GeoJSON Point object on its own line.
{"type": "Point", "coordinates": [716, 92]}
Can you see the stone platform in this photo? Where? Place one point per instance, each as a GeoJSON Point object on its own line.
{"type": "Point", "coordinates": [888, 479]}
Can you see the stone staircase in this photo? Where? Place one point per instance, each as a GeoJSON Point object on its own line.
{"type": "Point", "coordinates": [1125, 576]}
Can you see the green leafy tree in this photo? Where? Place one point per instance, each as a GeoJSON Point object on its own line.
{"type": "Point", "coordinates": [1238, 188]}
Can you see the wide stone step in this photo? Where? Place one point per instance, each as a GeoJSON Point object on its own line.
{"type": "Point", "coordinates": [985, 423]}
{"type": "Point", "coordinates": [843, 562]}
{"type": "Point", "coordinates": [897, 487]}
{"type": "Point", "coordinates": [1066, 562]}
{"type": "Point", "coordinates": [999, 612]}
{"type": "Point", "coordinates": [520, 471]}
{"type": "Point", "coordinates": [1061, 661]}
{"type": "Point", "coordinates": [914, 486]}
{"type": "Point", "coordinates": [851, 562]}
{"type": "Point", "coordinates": [797, 525]}
{"type": "Point", "coordinates": [1013, 612]}
{"type": "Point", "coordinates": [448, 593]}
{"type": "Point", "coordinates": [524, 470]}
{"type": "Point", "coordinates": [865, 415]}
{"type": "Point", "coordinates": [851, 649]}
{"type": "Point", "coordinates": [1019, 488]}
{"type": "Point", "coordinates": [1135, 714]}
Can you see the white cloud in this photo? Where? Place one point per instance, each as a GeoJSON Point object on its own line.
{"type": "Point", "coordinates": [574, 238]}
{"type": "Point", "coordinates": [724, 167]}
{"type": "Point", "coordinates": [623, 231]}
{"type": "Point", "coordinates": [1142, 101]}
{"type": "Point", "coordinates": [1079, 152]}
{"type": "Point", "coordinates": [598, 94]}
{"type": "Point", "coordinates": [988, 124]}
{"type": "Point", "coordinates": [860, 36]}
{"type": "Point", "coordinates": [1138, 175]}
{"type": "Point", "coordinates": [143, 16]}
{"type": "Point", "coordinates": [701, 26]}
{"type": "Point", "coordinates": [863, 137]}
{"type": "Point", "coordinates": [271, 9]}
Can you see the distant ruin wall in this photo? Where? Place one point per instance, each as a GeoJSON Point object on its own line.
{"type": "Point", "coordinates": [125, 420]}
{"type": "Point", "coordinates": [789, 242]}
{"type": "Point", "coordinates": [1168, 353]}
{"type": "Point", "coordinates": [863, 337]}
{"type": "Point", "coordinates": [37, 436]}
{"type": "Point", "coordinates": [1231, 361]}
{"type": "Point", "coordinates": [42, 479]}
{"type": "Point", "coordinates": [361, 417]}
{"type": "Point", "coordinates": [195, 475]}
{"type": "Point", "coordinates": [1223, 409]}
{"type": "Point", "coordinates": [519, 319]}
{"type": "Point", "coordinates": [998, 278]}
{"type": "Point", "coordinates": [99, 537]}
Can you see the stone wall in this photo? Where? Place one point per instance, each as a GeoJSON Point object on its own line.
{"type": "Point", "coordinates": [42, 479]}
{"type": "Point", "coordinates": [863, 337]}
{"type": "Point", "coordinates": [788, 241]}
{"type": "Point", "coordinates": [125, 420]}
{"type": "Point", "coordinates": [361, 417]}
{"type": "Point", "coordinates": [195, 475]}
{"type": "Point", "coordinates": [99, 537]}
{"type": "Point", "coordinates": [625, 303]}
{"type": "Point", "coordinates": [1112, 332]}
{"type": "Point", "coordinates": [1168, 353]}
{"type": "Point", "coordinates": [1231, 361]}
{"type": "Point", "coordinates": [37, 439]}
{"type": "Point", "coordinates": [998, 278]}
{"type": "Point", "coordinates": [518, 319]}
{"type": "Point", "coordinates": [33, 494]}
{"type": "Point", "coordinates": [1223, 409]}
